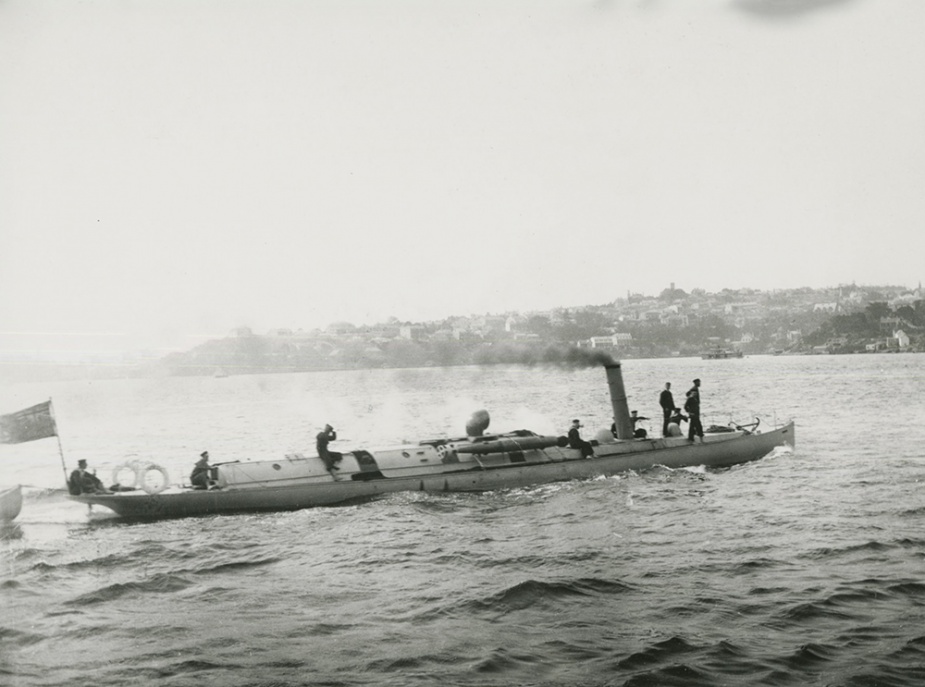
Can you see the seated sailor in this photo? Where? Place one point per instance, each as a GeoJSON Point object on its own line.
{"type": "Point", "coordinates": [575, 440]}
{"type": "Point", "coordinates": [83, 481]}
{"type": "Point", "coordinates": [674, 423]}
{"type": "Point", "coordinates": [638, 432]}
{"type": "Point", "coordinates": [330, 458]}
{"type": "Point", "coordinates": [199, 477]}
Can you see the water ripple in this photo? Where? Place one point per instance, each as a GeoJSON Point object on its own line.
{"type": "Point", "coordinates": [801, 569]}
{"type": "Point", "coordinates": [157, 584]}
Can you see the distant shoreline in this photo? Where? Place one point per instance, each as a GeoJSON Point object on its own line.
{"type": "Point", "coordinates": [41, 371]}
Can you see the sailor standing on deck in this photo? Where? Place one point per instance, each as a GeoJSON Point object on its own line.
{"type": "Point", "coordinates": [666, 401]}
{"type": "Point", "coordinates": [692, 406]}
{"type": "Point", "coordinates": [324, 437]}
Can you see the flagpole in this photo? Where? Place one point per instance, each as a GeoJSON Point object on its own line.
{"type": "Point", "coordinates": [51, 409]}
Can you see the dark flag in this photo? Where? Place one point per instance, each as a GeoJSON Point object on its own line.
{"type": "Point", "coordinates": [28, 425]}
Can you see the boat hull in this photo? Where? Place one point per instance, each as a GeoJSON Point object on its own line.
{"type": "Point", "coordinates": [721, 355]}
{"type": "Point", "coordinates": [10, 503]}
{"type": "Point", "coordinates": [557, 465]}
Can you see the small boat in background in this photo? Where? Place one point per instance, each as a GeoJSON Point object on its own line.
{"type": "Point", "coordinates": [10, 503]}
{"type": "Point", "coordinates": [720, 353]}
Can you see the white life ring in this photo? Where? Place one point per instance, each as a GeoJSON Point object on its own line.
{"type": "Point", "coordinates": [118, 474]}
{"type": "Point", "coordinates": [158, 487]}
{"type": "Point", "coordinates": [140, 469]}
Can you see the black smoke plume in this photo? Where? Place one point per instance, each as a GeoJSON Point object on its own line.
{"type": "Point", "coordinates": [553, 356]}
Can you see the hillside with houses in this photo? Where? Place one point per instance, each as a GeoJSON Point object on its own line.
{"type": "Point", "coordinates": [845, 319]}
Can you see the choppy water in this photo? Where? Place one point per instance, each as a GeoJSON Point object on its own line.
{"type": "Point", "coordinates": [806, 568]}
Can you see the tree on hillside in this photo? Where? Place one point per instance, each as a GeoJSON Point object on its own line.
{"type": "Point", "coordinates": [588, 323]}
{"type": "Point", "coordinates": [855, 325]}
{"type": "Point", "coordinates": [919, 319]}
{"type": "Point", "coordinates": [539, 325]}
{"type": "Point", "coordinates": [670, 295]}
{"type": "Point", "coordinates": [405, 353]}
{"type": "Point", "coordinates": [449, 352]}
{"type": "Point", "coordinates": [875, 311]}
{"type": "Point", "coordinates": [913, 314]}
{"type": "Point", "coordinates": [711, 326]}
{"type": "Point", "coordinates": [906, 312]}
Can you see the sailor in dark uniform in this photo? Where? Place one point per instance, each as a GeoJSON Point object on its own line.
{"type": "Point", "coordinates": [674, 423]}
{"type": "Point", "coordinates": [199, 477]}
{"type": "Point", "coordinates": [83, 481]}
{"type": "Point", "coordinates": [322, 440]}
{"type": "Point", "coordinates": [575, 440]}
{"type": "Point", "coordinates": [638, 433]}
{"type": "Point", "coordinates": [666, 401]}
{"type": "Point", "coordinates": [692, 406]}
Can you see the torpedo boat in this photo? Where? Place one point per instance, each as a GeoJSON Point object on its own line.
{"type": "Point", "coordinates": [476, 462]}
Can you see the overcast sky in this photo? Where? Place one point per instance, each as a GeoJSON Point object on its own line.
{"type": "Point", "coordinates": [172, 169]}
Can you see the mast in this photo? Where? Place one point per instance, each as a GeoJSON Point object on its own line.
{"type": "Point", "coordinates": [54, 422]}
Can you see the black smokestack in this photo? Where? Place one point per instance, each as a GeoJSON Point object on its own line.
{"type": "Point", "coordinates": [569, 357]}
{"type": "Point", "coordinates": [621, 412]}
